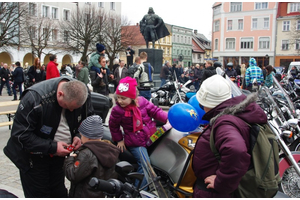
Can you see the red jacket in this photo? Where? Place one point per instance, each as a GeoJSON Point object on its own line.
{"type": "Point", "coordinates": [52, 71]}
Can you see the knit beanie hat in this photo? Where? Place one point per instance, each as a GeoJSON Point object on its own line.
{"type": "Point", "coordinates": [252, 62]}
{"type": "Point", "coordinates": [92, 127]}
{"type": "Point", "coordinates": [127, 87]}
{"type": "Point", "coordinates": [100, 47]}
{"type": "Point", "coordinates": [214, 91]}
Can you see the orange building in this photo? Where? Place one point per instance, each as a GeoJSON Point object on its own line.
{"type": "Point", "coordinates": [242, 30]}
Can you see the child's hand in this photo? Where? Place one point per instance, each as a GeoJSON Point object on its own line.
{"type": "Point", "coordinates": [121, 146]}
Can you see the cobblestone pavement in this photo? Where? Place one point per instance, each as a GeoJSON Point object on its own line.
{"type": "Point", "coordinates": [9, 173]}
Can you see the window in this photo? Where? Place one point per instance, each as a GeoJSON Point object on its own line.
{"type": "Point", "coordinates": [264, 43]}
{"type": "Point", "coordinates": [217, 10]}
{"type": "Point", "coordinates": [286, 26]}
{"type": "Point", "coordinates": [229, 27]}
{"type": "Point", "coordinates": [66, 36]}
{"type": "Point", "coordinates": [168, 51]}
{"type": "Point", "coordinates": [240, 24]}
{"type": "Point", "coordinates": [261, 5]}
{"type": "Point", "coordinates": [112, 5]}
{"type": "Point", "coordinates": [230, 43]}
{"type": "Point", "coordinates": [185, 39]}
{"type": "Point", "coordinates": [1, 28]}
{"type": "Point", "coordinates": [246, 43]}
{"type": "Point", "coordinates": [266, 22]}
{"type": "Point", "coordinates": [177, 38]}
{"type": "Point", "coordinates": [32, 9]}
{"type": "Point", "coordinates": [254, 23]}
{"type": "Point", "coordinates": [101, 4]}
{"type": "Point", "coordinates": [298, 25]}
{"type": "Point", "coordinates": [66, 15]}
{"type": "Point", "coordinates": [87, 17]}
{"type": "Point", "coordinates": [285, 45]}
{"type": "Point", "coordinates": [45, 34]}
{"type": "Point", "coordinates": [235, 6]}
{"type": "Point", "coordinates": [32, 32]}
{"type": "Point", "coordinates": [294, 7]}
{"type": "Point", "coordinates": [216, 25]}
{"type": "Point", "coordinates": [54, 13]}
{"type": "Point", "coordinates": [45, 11]}
{"type": "Point", "coordinates": [88, 3]}
{"type": "Point", "coordinates": [297, 44]}
{"type": "Point", "coordinates": [216, 44]}
{"type": "Point", "coordinates": [54, 34]}
{"type": "Point", "coordinates": [181, 39]}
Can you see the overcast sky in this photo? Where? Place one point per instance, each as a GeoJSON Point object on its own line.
{"type": "Point", "coordinates": [194, 14]}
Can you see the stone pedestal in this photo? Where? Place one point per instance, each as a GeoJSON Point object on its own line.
{"type": "Point", "coordinates": [155, 58]}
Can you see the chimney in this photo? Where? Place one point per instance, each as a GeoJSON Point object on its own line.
{"type": "Point", "coordinates": [195, 31]}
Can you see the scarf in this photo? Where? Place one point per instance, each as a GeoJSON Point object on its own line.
{"type": "Point", "coordinates": [137, 117]}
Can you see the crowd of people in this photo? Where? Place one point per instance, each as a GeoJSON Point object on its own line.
{"type": "Point", "coordinates": [200, 72]}
{"type": "Point", "coordinates": [57, 118]}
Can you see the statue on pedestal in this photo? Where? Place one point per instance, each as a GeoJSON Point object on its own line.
{"type": "Point", "coordinates": [153, 27]}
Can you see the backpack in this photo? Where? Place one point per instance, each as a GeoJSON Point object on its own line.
{"type": "Point", "coordinates": [262, 178]}
{"type": "Point", "coordinates": [146, 76]}
{"type": "Point", "coordinates": [132, 69]}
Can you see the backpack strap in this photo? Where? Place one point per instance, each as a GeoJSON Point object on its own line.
{"type": "Point", "coordinates": [212, 141]}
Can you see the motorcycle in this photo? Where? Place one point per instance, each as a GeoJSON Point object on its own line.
{"type": "Point", "coordinates": [170, 93]}
{"type": "Point", "coordinates": [288, 164]}
{"type": "Point", "coordinates": [170, 158]}
{"type": "Point", "coordinates": [126, 189]}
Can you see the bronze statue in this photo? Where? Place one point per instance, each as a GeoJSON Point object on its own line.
{"type": "Point", "coordinates": [153, 27]}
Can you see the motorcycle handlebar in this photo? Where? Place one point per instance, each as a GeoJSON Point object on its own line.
{"type": "Point", "coordinates": [102, 185]}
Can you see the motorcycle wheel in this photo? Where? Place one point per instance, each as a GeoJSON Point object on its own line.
{"type": "Point", "coordinates": [295, 146]}
{"type": "Point", "coordinates": [290, 183]}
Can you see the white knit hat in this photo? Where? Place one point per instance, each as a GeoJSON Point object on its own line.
{"type": "Point", "coordinates": [92, 127]}
{"type": "Point", "coordinates": [213, 91]}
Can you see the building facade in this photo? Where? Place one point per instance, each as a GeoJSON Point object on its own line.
{"type": "Point", "coordinates": [56, 12]}
{"type": "Point", "coordinates": [288, 33]}
{"type": "Point", "coordinates": [182, 45]}
{"type": "Point", "coordinates": [242, 30]}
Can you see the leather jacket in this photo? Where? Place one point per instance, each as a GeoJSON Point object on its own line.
{"type": "Point", "coordinates": [36, 122]}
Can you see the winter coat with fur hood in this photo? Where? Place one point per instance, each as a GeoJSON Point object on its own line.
{"type": "Point", "coordinates": [138, 139]}
{"type": "Point", "coordinates": [231, 135]}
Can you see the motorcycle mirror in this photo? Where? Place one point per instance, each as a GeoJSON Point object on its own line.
{"type": "Point", "coordinates": [293, 122]}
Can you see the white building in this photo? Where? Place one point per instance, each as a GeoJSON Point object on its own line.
{"type": "Point", "coordinates": [56, 12]}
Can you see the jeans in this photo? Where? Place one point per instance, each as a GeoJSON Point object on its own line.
{"type": "Point", "coordinates": [145, 93]}
{"type": "Point", "coordinates": [7, 85]}
{"type": "Point", "coordinates": [96, 69]}
{"type": "Point", "coordinates": [135, 151]}
{"type": "Point", "coordinates": [196, 84]}
{"type": "Point", "coordinates": [163, 81]}
{"type": "Point", "coordinates": [14, 89]}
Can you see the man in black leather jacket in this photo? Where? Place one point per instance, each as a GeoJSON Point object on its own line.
{"type": "Point", "coordinates": [45, 124]}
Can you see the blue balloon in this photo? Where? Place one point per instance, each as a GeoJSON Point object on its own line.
{"type": "Point", "coordinates": [194, 102]}
{"type": "Point", "coordinates": [183, 117]}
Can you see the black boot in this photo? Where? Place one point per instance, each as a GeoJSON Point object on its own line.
{"type": "Point", "coordinates": [15, 99]}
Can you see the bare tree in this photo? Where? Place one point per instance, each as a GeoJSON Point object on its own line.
{"type": "Point", "coordinates": [113, 34]}
{"type": "Point", "coordinates": [38, 31]}
{"type": "Point", "coordinates": [10, 13]}
{"type": "Point", "coordinates": [294, 34]}
{"type": "Point", "coordinates": [84, 25]}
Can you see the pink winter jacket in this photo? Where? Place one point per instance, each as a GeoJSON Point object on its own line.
{"type": "Point", "coordinates": [148, 111]}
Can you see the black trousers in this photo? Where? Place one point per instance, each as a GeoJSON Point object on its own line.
{"type": "Point", "coordinates": [46, 178]}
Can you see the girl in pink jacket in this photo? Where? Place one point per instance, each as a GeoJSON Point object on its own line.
{"type": "Point", "coordinates": [134, 114]}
